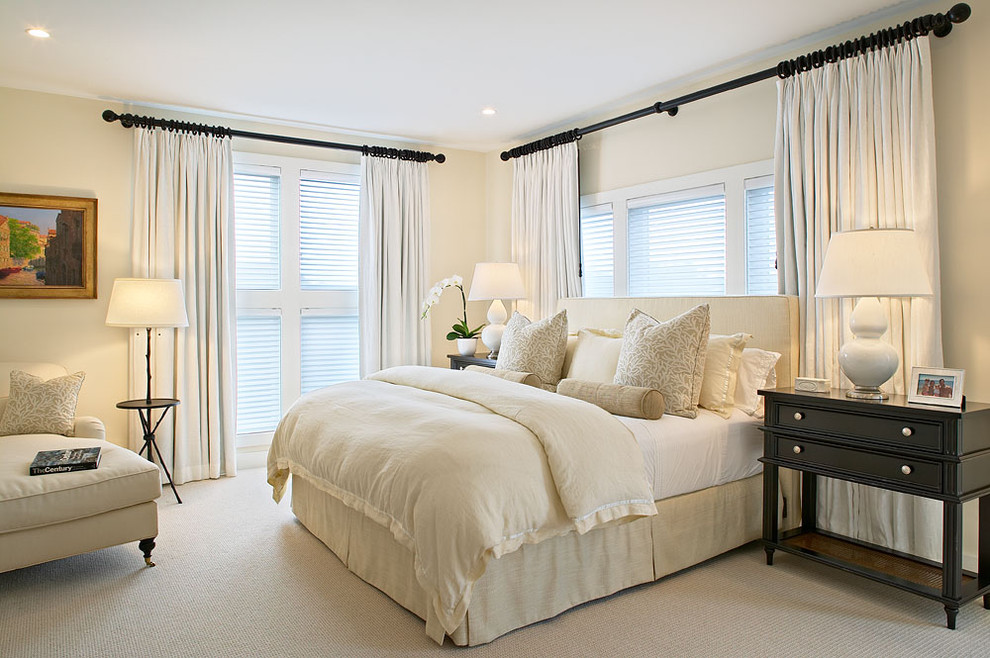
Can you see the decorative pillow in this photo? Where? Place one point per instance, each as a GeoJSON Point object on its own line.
{"type": "Point", "coordinates": [536, 347]}
{"type": "Point", "coordinates": [756, 371]}
{"type": "Point", "coordinates": [668, 356]}
{"type": "Point", "coordinates": [36, 406]}
{"type": "Point", "coordinates": [527, 378]}
{"type": "Point", "coordinates": [595, 356]}
{"type": "Point", "coordinates": [633, 401]}
{"type": "Point", "coordinates": [718, 386]}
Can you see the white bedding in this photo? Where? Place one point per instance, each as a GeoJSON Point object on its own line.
{"type": "Point", "coordinates": [682, 455]}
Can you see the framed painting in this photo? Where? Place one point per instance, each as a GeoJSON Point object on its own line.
{"type": "Point", "coordinates": [47, 247]}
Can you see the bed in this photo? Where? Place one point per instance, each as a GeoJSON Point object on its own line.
{"type": "Point", "coordinates": [705, 493]}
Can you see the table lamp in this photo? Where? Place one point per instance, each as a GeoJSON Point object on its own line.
{"type": "Point", "coordinates": [869, 264]}
{"type": "Point", "coordinates": [495, 281]}
{"type": "Point", "coordinates": [148, 303]}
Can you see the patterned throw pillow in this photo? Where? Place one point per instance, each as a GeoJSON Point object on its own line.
{"type": "Point", "coordinates": [536, 347]}
{"type": "Point", "coordinates": [668, 356]}
{"type": "Point", "coordinates": [36, 406]}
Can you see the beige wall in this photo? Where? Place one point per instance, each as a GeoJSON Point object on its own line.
{"type": "Point", "coordinates": [59, 145]}
{"type": "Point", "coordinates": [738, 126]}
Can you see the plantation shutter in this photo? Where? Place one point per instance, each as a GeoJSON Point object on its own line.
{"type": "Point", "coordinates": [328, 234]}
{"type": "Point", "coordinates": [256, 231]}
{"type": "Point", "coordinates": [761, 238]}
{"type": "Point", "coordinates": [259, 376]}
{"type": "Point", "coordinates": [676, 243]}
{"type": "Point", "coordinates": [597, 263]}
{"type": "Point", "coordinates": [329, 352]}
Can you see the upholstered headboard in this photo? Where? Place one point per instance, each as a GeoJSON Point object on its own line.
{"type": "Point", "coordinates": [773, 320]}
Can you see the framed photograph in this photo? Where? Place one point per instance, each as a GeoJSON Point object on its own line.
{"type": "Point", "coordinates": [942, 386]}
{"type": "Point", "coordinates": [47, 247]}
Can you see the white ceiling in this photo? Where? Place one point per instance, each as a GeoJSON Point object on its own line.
{"type": "Point", "coordinates": [415, 69]}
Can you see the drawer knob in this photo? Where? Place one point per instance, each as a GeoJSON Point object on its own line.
{"type": "Point", "coordinates": [798, 449]}
{"type": "Point", "coordinates": [906, 470]}
{"type": "Point", "coordinates": [907, 431]}
{"type": "Point", "coordinates": [798, 415]}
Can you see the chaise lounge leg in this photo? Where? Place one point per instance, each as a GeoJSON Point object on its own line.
{"type": "Point", "coordinates": [146, 546]}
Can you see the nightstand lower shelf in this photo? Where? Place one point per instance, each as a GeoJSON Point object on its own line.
{"type": "Point", "coordinates": [874, 562]}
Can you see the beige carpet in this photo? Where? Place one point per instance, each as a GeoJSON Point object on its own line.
{"type": "Point", "coordinates": [238, 576]}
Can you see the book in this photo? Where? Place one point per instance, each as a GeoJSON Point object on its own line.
{"type": "Point", "coordinates": [65, 461]}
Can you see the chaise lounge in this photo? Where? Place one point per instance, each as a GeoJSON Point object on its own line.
{"type": "Point", "coordinates": [48, 517]}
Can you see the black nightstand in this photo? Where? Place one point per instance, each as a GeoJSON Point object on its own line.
{"type": "Point", "coordinates": [935, 452]}
{"type": "Point", "coordinates": [458, 362]}
{"type": "Point", "coordinates": [144, 408]}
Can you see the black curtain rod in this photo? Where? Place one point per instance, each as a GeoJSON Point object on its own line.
{"type": "Point", "coordinates": [938, 24]}
{"type": "Point", "coordinates": [131, 120]}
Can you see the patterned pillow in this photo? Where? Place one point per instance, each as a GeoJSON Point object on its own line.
{"type": "Point", "coordinates": [36, 406]}
{"type": "Point", "coordinates": [536, 347]}
{"type": "Point", "coordinates": [668, 356]}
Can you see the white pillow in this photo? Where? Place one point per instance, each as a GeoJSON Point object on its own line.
{"type": "Point", "coordinates": [718, 386]}
{"type": "Point", "coordinates": [36, 406]}
{"type": "Point", "coordinates": [536, 347]}
{"type": "Point", "coordinates": [595, 356]}
{"type": "Point", "coordinates": [668, 356]}
{"type": "Point", "coordinates": [756, 371]}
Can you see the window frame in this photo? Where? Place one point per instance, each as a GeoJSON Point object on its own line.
{"type": "Point", "coordinates": [291, 301]}
{"type": "Point", "coordinates": [733, 179]}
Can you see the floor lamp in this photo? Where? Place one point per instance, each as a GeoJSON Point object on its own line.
{"type": "Point", "coordinates": [496, 281]}
{"type": "Point", "coordinates": [148, 303]}
{"type": "Point", "coordinates": [869, 264]}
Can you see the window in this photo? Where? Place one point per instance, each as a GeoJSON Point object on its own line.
{"type": "Point", "coordinates": [296, 235]}
{"type": "Point", "coordinates": [705, 234]}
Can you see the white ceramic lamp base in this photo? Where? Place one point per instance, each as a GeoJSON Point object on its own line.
{"type": "Point", "coordinates": [491, 335]}
{"type": "Point", "coordinates": [866, 360]}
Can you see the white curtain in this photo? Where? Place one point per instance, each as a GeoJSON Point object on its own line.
{"type": "Point", "coordinates": [394, 264]}
{"type": "Point", "coordinates": [855, 148]}
{"type": "Point", "coordinates": [546, 227]}
{"type": "Point", "coordinates": [183, 207]}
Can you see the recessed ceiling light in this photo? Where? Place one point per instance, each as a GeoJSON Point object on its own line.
{"type": "Point", "coordinates": [488, 111]}
{"type": "Point", "coordinates": [38, 32]}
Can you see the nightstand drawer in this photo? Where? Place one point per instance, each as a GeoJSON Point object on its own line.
{"type": "Point", "coordinates": [900, 433]}
{"type": "Point", "coordinates": [913, 472]}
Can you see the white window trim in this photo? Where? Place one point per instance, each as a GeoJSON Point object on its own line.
{"type": "Point", "coordinates": [263, 302]}
{"type": "Point", "coordinates": [734, 180]}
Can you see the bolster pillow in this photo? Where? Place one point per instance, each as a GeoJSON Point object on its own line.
{"type": "Point", "coordinates": [527, 378]}
{"type": "Point", "coordinates": [633, 401]}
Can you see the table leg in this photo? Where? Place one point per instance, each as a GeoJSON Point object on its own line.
{"type": "Point", "coordinates": [771, 486]}
{"type": "Point", "coordinates": [951, 559]}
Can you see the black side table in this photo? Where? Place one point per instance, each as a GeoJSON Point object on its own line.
{"type": "Point", "coordinates": [144, 408]}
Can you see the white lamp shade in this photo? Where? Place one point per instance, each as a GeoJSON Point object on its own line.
{"type": "Point", "coordinates": [147, 303]}
{"type": "Point", "coordinates": [873, 263]}
{"type": "Point", "coordinates": [496, 281]}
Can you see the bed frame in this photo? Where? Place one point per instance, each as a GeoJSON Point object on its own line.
{"type": "Point", "coordinates": [539, 581]}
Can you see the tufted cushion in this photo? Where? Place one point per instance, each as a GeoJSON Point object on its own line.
{"type": "Point", "coordinates": [536, 347]}
{"type": "Point", "coordinates": [632, 401]}
{"type": "Point", "coordinates": [718, 386]}
{"type": "Point", "coordinates": [37, 406]}
{"type": "Point", "coordinates": [668, 356]}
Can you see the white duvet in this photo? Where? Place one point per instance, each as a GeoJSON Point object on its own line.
{"type": "Point", "coordinates": [461, 467]}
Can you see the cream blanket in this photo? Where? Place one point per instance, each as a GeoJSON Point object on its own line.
{"type": "Point", "coordinates": [461, 467]}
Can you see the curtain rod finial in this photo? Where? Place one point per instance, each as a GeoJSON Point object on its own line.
{"type": "Point", "coordinates": [959, 12]}
{"type": "Point", "coordinates": [109, 116]}
{"type": "Point", "coordinates": [441, 158]}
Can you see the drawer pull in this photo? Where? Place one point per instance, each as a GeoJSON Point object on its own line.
{"type": "Point", "coordinates": [906, 470]}
{"type": "Point", "coordinates": [798, 449]}
{"type": "Point", "coordinates": [798, 415]}
{"type": "Point", "coordinates": [907, 431]}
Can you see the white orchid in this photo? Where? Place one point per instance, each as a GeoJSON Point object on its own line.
{"type": "Point", "coordinates": [460, 329]}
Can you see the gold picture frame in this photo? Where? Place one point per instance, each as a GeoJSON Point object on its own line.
{"type": "Point", "coordinates": [47, 247]}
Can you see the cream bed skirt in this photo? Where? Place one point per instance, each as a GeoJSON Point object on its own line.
{"type": "Point", "coordinates": [539, 581]}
